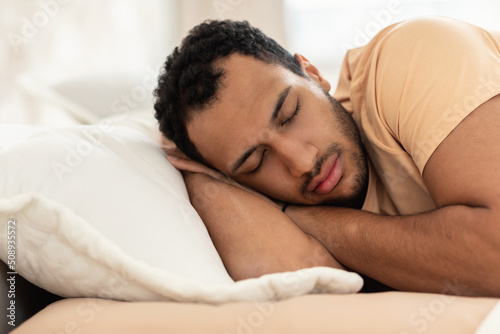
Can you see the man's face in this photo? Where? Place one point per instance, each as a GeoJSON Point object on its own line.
{"type": "Point", "coordinates": [280, 134]}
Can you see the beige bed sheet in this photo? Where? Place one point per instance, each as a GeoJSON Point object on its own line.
{"type": "Point", "coordinates": [387, 312]}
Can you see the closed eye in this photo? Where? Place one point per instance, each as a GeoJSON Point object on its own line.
{"type": "Point", "coordinates": [289, 119]}
{"type": "Point", "coordinates": [285, 122]}
{"type": "Point", "coordinates": [256, 169]}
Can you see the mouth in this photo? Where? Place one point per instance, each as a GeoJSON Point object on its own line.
{"type": "Point", "coordinates": [328, 178]}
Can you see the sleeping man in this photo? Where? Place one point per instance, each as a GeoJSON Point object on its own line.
{"type": "Point", "coordinates": [396, 176]}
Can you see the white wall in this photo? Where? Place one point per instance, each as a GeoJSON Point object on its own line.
{"type": "Point", "coordinates": [266, 15]}
{"type": "Point", "coordinates": [55, 40]}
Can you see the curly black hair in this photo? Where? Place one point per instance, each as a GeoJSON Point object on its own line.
{"type": "Point", "coordinates": [190, 77]}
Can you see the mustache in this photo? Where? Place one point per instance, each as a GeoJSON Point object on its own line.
{"type": "Point", "coordinates": [331, 150]}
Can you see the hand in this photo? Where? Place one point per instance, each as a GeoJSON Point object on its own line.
{"type": "Point", "coordinates": [183, 163]}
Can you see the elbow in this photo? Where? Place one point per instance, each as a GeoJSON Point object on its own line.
{"type": "Point", "coordinates": [492, 263]}
{"type": "Point", "coordinates": [318, 256]}
{"type": "Point", "coordinates": [487, 256]}
{"type": "Point", "coordinates": [314, 254]}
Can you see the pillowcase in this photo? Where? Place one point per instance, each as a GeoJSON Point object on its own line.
{"type": "Point", "coordinates": [99, 212]}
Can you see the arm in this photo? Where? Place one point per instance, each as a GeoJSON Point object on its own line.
{"type": "Point", "coordinates": [250, 232]}
{"type": "Point", "coordinates": [252, 236]}
{"type": "Point", "coordinates": [456, 245]}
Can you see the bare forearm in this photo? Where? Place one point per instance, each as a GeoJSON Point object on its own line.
{"type": "Point", "coordinates": [429, 252]}
{"type": "Point", "coordinates": [252, 236]}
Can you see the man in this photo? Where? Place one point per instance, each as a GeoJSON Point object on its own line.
{"type": "Point", "coordinates": [396, 177]}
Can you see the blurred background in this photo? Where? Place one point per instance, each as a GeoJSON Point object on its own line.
{"type": "Point", "coordinates": [76, 61]}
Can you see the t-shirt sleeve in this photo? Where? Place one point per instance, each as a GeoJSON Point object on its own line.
{"type": "Point", "coordinates": [426, 76]}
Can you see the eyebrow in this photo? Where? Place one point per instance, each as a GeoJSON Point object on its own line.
{"type": "Point", "coordinates": [277, 107]}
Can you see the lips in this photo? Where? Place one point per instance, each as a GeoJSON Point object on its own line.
{"type": "Point", "coordinates": [328, 177]}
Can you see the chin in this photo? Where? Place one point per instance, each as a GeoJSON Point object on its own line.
{"type": "Point", "coordinates": [347, 194]}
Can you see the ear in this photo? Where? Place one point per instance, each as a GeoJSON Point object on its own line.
{"type": "Point", "coordinates": [312, 71]}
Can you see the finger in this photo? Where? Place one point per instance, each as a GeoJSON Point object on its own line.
{"type": "Point", "coordinates": [195, 167]}
{"type": "Point", "coordinates": [166, 142]}
{"type": "Point", "coordinates": [174, 151]}
{"type": "Point", "coordinates": [176, 162]}
{"type": "Point", "coordinates": [169, 149]}
{"type": "Point", "coordinates": [187, 165]}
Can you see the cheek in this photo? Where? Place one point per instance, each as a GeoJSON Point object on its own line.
{"type": "Point", "coordinates": [282, 185]}
{"type": "Point", "coordinates": [272, 181]}
{"type": "Point", "coordinates": [317, 128]}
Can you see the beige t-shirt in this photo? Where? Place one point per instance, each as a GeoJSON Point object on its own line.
{"type": "Point", "coordinates": [407, 90]}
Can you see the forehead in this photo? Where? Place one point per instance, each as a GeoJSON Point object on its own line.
{"type": "Point", "coordinates": [241, 114]}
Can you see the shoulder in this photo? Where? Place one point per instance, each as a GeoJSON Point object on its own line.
{"type": "Point", "coordinates": [434, 34]}
{"type": "Point", "coordinates": [432, 27]}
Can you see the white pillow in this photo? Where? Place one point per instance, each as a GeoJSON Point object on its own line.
{"type": "Point", "coordinates": [100, 212]}
{"type": "Point", "coordinates": [111, 92]}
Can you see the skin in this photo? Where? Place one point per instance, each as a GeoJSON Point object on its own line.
{"type": "Point", "coordinates": [435, 248]}
{"type": "Point", "coordinates": [289, 152]}
{"type": "Point", "coordinates": [457, 243]}
{"type": "Point", "coordinates": [251, 234]}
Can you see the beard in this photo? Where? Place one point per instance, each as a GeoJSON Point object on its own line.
{"type": "Point", "coordinates": [349, 129]}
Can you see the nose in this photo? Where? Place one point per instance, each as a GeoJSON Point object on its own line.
{"type": "Point", "coordinates": [298, 156]}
